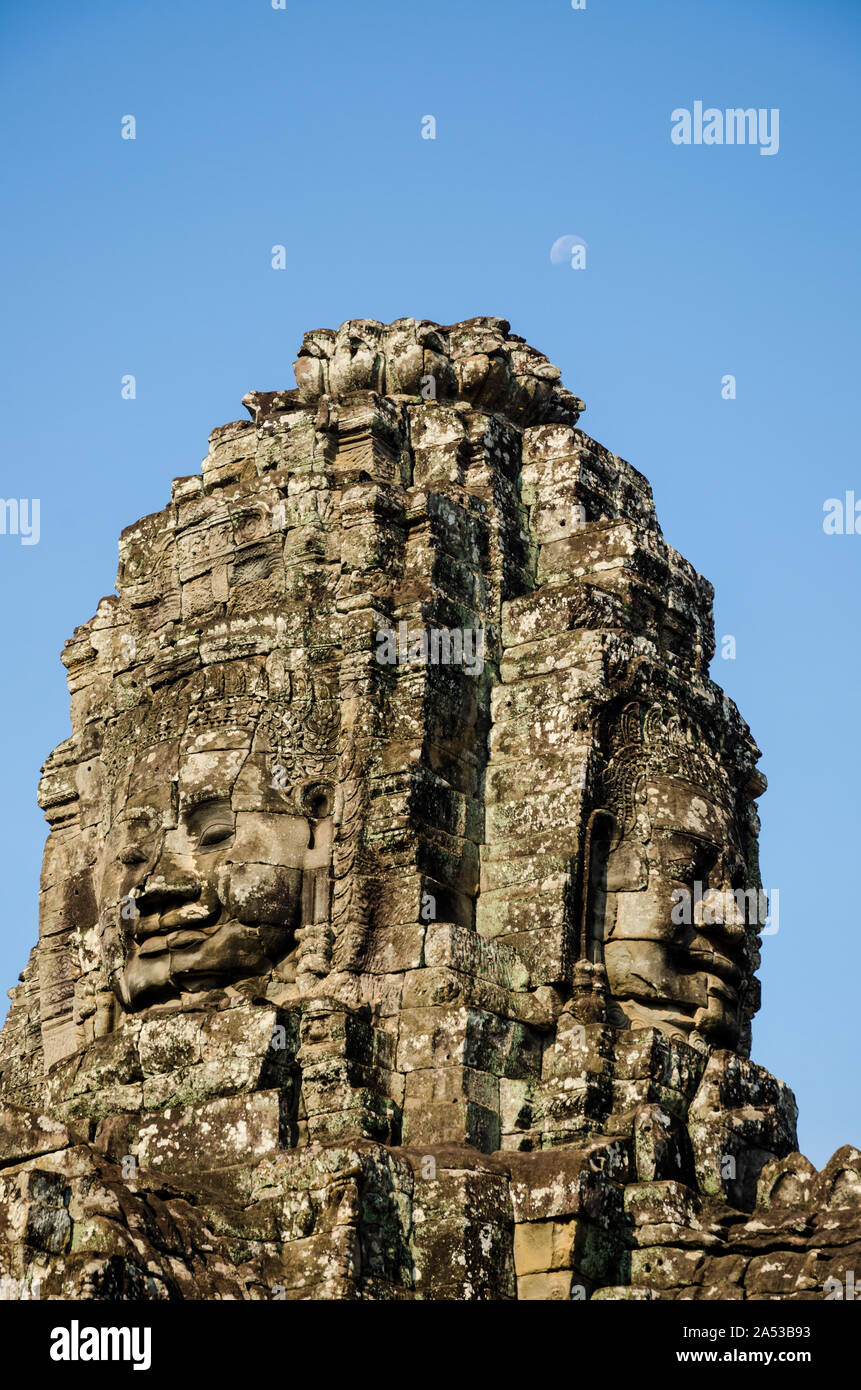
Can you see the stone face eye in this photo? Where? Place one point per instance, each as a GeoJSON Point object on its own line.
{"type": "Point", "coordinates": [133, 854]}
{"type": "Point", "coordinates": [215, 834]}
{"type": "Point", "coordinates": [136, 834]}
{"type": "Point", "coordinates": [211, 823]}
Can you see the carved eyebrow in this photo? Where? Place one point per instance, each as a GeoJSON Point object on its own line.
{"type": "Point", "coordinates": [193, 800]}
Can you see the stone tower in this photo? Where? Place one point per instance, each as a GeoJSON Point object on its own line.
{"type": "Point", "coordinates": [400, 907]}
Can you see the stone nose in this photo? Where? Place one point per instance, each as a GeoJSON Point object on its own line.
{"type": "Point", "coordinates": [169, 886]}
{"type": "Point", "coordinates": [722, 914]}
{"type": "Point", "coordinates": [166, 891]}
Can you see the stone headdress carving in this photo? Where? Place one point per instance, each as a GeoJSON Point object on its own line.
{"type": "Point", "coordinates": [296, 711]}
{"type": "Point", "coordinates": [300, 719]}
{"type": "Point", "coordinates": [645, 742]}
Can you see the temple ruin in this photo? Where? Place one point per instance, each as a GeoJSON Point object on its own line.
{"type": "Point", "coordinates": [399, 917]}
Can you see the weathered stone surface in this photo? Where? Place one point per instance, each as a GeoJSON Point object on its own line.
{"type": "Point", "coordinates": [23, 1136]}
{"type": "Point", "coordinates": [399, 913]}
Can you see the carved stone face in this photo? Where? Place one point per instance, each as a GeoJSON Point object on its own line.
{"type": "Point", "coordinates": [202, 872]}
{"type": "Point", "coordinates": [675, 955]}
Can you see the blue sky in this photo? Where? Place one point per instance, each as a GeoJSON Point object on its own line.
{"type": "Point", "coordinates": [302, 127]}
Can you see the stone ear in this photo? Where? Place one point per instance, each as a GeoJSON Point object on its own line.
{"type": "Point", "coordinates": [317, 800]}
{"type": "Point", "coordinates": [627, 867]}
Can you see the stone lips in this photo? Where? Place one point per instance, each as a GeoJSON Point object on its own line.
{"type": "Point", "coordinates": [358, 980]}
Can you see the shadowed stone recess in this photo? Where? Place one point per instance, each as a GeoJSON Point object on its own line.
{"type": "Point", "coordinates": [400, 912]}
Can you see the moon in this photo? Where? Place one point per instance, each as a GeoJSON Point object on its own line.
{"type": "Point", "coordinates": [562, 247]}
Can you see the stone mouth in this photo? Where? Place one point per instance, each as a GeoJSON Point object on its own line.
{"type": "Point", "coordinates": [161, 942]}
{"type": "Point", "coordinates": [190, 917]}
{"type": "Point", "coordinates": [723, 967]}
